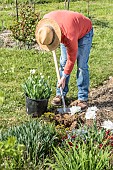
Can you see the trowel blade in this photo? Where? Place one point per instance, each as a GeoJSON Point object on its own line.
{"type": "Point", "coordinates": [72, 110]}
{"type": "Point", "coordinates": [61, 110]}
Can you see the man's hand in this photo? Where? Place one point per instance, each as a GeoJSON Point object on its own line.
{"type": "Point", "coordinates": [61, 82]}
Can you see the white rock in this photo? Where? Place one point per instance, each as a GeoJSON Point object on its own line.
{"type": "Point", "coordinates": [91, 112]}
{"type": "Point", "coordinates": [75, 109]}
{"type": "Point", "coordinates": [107, 124]}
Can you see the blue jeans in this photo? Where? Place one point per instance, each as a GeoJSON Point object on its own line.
{"type": "Point", "coordinates": [84, 47]}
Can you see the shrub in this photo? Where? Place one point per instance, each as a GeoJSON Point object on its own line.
{"type": "Point", "coordinates": [24, 29]}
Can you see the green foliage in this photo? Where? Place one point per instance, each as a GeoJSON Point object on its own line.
{"type": "Point", "coordinates": [87, 133]}
{"type": "Point", "coordinates": [83, 149]}
{"type": "Point", "coordinates": [46, 1]}
{"type": "Point", "coordinates": [11, 154]}
{"type": "Point", "coordinates": [99, 137]}
{"type": "Point", "coordinates": [82, 157]}
{"type": "Point", "coordinates": [37, 87]}
{"type": "Point", "coordinates": [37, 136]}
{"type": "Point", "coordinates": [31, 1]}
{"type": "Point", "coordinates": [24, 28]}
{"type": "Point", "coordinates": [1, 97]}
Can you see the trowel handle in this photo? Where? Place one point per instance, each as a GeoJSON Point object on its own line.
{"type": "Point", "coordinates": [58, 77]}
{"type": "Point", "coordinates": [56, 65]}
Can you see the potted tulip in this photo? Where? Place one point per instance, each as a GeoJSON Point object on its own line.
{"type": "Point", "coordinates": [37, 91]}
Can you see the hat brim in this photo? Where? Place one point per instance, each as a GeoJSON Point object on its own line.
{"type": "Point", "coordinates": [57, 38]}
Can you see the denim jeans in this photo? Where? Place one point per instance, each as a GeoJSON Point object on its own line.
{"type": "Point", "coordinates": [84, 47]}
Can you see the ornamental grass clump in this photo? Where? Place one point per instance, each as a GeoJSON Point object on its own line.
{"type": "Point", "coordinates": [81, 156]}
{"type": "Point", "coordinates": [37, 136]}
{"type": "Point", "coordinates": [37, 86]}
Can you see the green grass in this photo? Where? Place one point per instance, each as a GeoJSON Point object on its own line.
{"type": "Point", "coordinates": [15, 64]}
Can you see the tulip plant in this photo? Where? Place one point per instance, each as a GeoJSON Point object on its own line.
{"type": "Point", "coordinates": [36, 86]}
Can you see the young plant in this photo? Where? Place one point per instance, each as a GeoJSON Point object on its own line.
{"type": "Point", "coordinates": [37, 87]}
{"type": "Point", "coordinates": [88, 148]}
{"type": "Point", "coordinates": [11, 154]}
{"type": "Point", "coordinates": [80, 156]}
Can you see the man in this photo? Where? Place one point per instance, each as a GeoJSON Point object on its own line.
{"type": "Point", "coordinates": [74, 32]}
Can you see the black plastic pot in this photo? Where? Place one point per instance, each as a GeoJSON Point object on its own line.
{"type": "Point", "coordinates": [36, 107]}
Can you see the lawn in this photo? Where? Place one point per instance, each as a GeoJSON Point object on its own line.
{"type": "Point", "coordinates": [15, 64]}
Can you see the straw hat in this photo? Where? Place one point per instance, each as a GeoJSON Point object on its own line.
{"type": "Point", "coordinates": [48, 34]}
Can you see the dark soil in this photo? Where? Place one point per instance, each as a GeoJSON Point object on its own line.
{"type": "Point", "coordinates": [102, 98]}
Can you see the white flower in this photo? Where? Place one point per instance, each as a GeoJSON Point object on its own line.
{"type": "Point", "coordinates": [42, 77]}
{"type": "Point", "coordinates": [32, 71]}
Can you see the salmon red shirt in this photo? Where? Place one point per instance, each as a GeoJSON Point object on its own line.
{"type": "Point", "coordinates": [73, 27]}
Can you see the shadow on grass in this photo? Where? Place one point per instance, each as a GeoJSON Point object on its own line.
{"type": "Point", "coordinates": [100, 23]}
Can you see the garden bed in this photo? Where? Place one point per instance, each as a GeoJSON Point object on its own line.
{"type": "Point", "coordinates": [102, 98]}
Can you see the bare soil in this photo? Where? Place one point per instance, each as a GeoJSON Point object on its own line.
{"type": "Point", "coordinates": [102, 98]}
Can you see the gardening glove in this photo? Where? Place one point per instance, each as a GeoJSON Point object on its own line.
{"type": "Point", "coordinates": [61, 82]}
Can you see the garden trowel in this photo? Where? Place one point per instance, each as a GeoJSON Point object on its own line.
{"type": "Point", "coordinates": [71, 110]}
{"type": "Point", "coordinates": [64, 109]}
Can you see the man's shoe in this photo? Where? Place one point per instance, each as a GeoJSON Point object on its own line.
{"type": "Point", "coordinates": [57, 101]}
{"type": "Point", "coordinates": [82, 104]}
